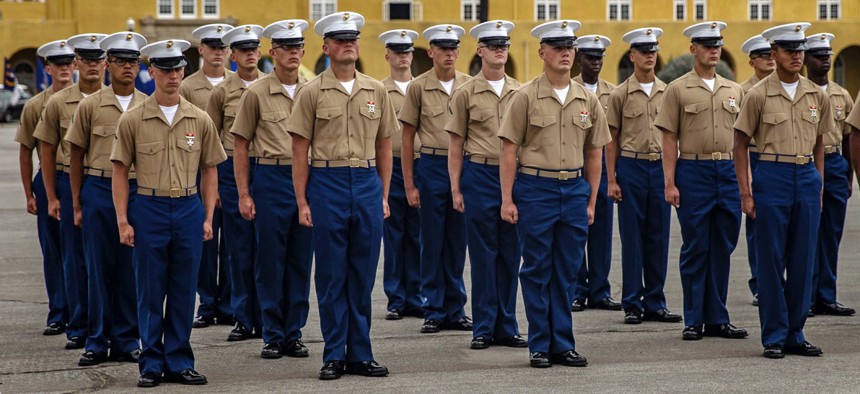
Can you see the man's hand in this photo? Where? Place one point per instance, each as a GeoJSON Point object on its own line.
{"type": "Point", "coordinates": [207, 230]}
{"type": "Point", "coordinates": [459, 206]}
{"type": "Point", "coordinates": [247, 207]}
{"type": "Point", "coordinates": [413, 197]}
{"type": "Point", "coordinates": [614, 191]}
{"type": "Point", "coordinates": [32, 207]}
{"type": "Point", "coordinates": [748, 206]}
{"type": "Point", "coordinates": [673, 196]}
{"type": "Point", "coordinates": [386, 210]}
{"type": "Point", "coordinates": [509, 212]}
{"type": "Point", "coordinates": [126, 234]}
{"type": "Point", "coordinates": [218, 202]}
{"type": "Point", "coordinates": [590, 211]}
{"type": "Point", "coordinates": [305, 215]}
{"type": "Point", "coordinates": [79, 216]}
{"type": "Point", "coordinates": [54, 208]}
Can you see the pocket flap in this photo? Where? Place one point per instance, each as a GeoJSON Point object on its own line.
{"type": "Point", "coordinates": [543, 120]}
{"type": "Point", "coordinates": [329, 113]}
{"type": "Point", "coordinates": [633, 111]}
{"type": "Point", "coordinates": [480, 116]}
{"type": "Point", "coordinates": [150, 148]}
{"type": "Point", "coordinates": [274, 116]}
{"type": "Point", "coordinates": [432, 111]}
{"type": "Point", "coordinates": [104, 131]}
{"type": "Point", "coordinates": [695, 108]}
{"type": "Point", "coordinates": [732, 109]}
{"type": "Point", "coordinates": [774, 118]}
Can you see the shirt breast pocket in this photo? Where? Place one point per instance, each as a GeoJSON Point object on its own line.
{"type": "Point", "coordinates": [327, 122]}
{"type": "Point", "coordinates": [540, 136]}
{"type": "Point", "coordinates": [104, 131]}
{"type": "Point", "coordinates": [150, 156]}
{"type": "Point", "coordinates": [189, 154]}
{"type": "Point", "coordinates": [230, 111]}
{"type": "Point", "coordinates": [480, 116]}
{"type": "Point", "coordinates": [694, 117]}
{"type": "Point", "coordinates": [732, 109]}
{"type": "Point", "coordinates": [582, 124]}
{"type": "Point", "coordinates": [275, 122]}
{"type": "Point", "coordinates": [774, 126]}
{"type": "Point", "coordinates": [433, 111]}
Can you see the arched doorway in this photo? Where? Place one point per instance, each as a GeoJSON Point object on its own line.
{"type": "Point", "coordinates": [625, 66]}
{"type": "Point", "coordinates": [192, 57]}
{"type": "Point", "coordinates": [727, 57]}
{"type": "Point", "coordinates": [24, 67]}
{"type": "Point", "coordinates": [421, 63]}
{"type": "Point", "coordinates": [848, 59]}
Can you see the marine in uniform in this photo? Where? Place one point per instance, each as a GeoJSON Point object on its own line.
{"type": "Point", "coordinates": [637, 175]}
{"type": "Point", "coordinates": [838, 178]}
{"type": "Point", "coordinates": [59, 60]}
{"type": "Point", "coordinates": [787, 115]}
{"type": "Point", "coordinates": [443, 229]}
{"type": "Point", "coordinates": [283, 271]}
{"type": "Point", "coordinates": [168, 141]}
{"type": "Point", "coordinates": [553, 129]}
{"type": "Point", "coordinates": [476, 109]}
{"type": "Point", "coordinates": [853, 120]}
{"type": "Point", "coordinates": [56, 118]}
{"type": "Point", "coordinates": [758, 50]}
{"type": "Point", "coordinates": [592, 287]}
{"type": "Point", "coordinates": [238, 233]}
{"type": "Point", "coordinates": [213, 285]}
{"type": "Point", "coordinates": [696, 119]}
{"type": "Point", "coordinates": [346, 120]}
{"type": "Point", "coordinates": [401, 275]}
{"type": "Point", "coordinates": [111, 307]}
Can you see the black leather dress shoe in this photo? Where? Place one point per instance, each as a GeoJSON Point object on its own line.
{"type": "Point", "coordinates": [430, 327]}
{"type": "Point", "coordinates": [692, 333]}
{"type": "Point", "coordinates": [90, 358]}
{"type": "Point", "coordinates": [479, 343]}
{"type": "Point", "coordinates": [632, 316]}
{"type": "Point", "coordinates": [663, 316]}
{"type": "Point", "coordinates": [332, 370]}
{"type": "Point", "coordinates": [835, 309]}
{"type": "Point", "coordinates": [202, 322]}
{"type": "Point", "coordinates": [149, 379]}
{"type": "Point", "coordinates": [727, 330]}
{"type": "Point", "coordinates": [188, 376]}
{"type": "Point", "coordinates": [462, 324]}
{"type": "Point", "coordinates": [75, 343]}
{"type": "Point", "coordinates": [393, 314]}
{"type": "Point", "coordinates": [512, 341]}
{"type": "Point", "coordinates": [773, 350]}
{"type": "Point", "coordinates": [130, 357]}
{"type": "Point", "coordinates": [577, 306]}
{"type": "Point", "coordinates": [239, 333]}
{"type": "Point", "coordinates": [366, 368]}
{"type": "Point", "coordinates": [539, 360]}
{"type": "Point", "coordinates": [295, 348]}
{"type": "Point", "coordinates": [54, 329]}
{"type": "Point", "coordinates": [804, 349]}
{"type": "Point", "coordinates": [607, 304]}
{"type": "Point", "coordinates": [811, 313]}
{"type": "Point", "coordinates": [569, 358]}
{"type": "Point", "coordinates": [271, 351]}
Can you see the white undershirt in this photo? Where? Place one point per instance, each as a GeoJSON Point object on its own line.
{"type": "Point", "coordinates": [497, 86]}
{"type": "Point", "coordinates": [291, 89]}
{"type": "Point", "coordinates": [561, 94]}
{"type": "Point", "coordinates": [402, 86]}
{"type": "Point", "coordinates": [591, 87]}
{"type": "Point", "coordinates": [647, 87]}
{"type": "Point", "coordinates": [790, 88]}
{"type": "Point", "coordinates": [169, 112]}
{"type": "Point", "coordinates": [124, 101]}
{"type": "Point", "coordinates": [85, 94]}
{"type": "Point", "coordinates": [710, 83]}
{"type": "Point", "coordinates": [824, 87]}
{"type": "Point", "coordinates": [448, 85]}
{"type": "Point", "coordinates": [215, 81]}
{"type": "Point", "coordinates": [248, 83]}
{"type": "Point", "coordinates": [348, 85]}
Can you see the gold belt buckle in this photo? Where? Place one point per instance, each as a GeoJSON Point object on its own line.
{"type": "Point", "coordinates": [353, 162]}
{"type": "Point", "coordinates": [174, 192]}
{"type": "Point", "coordinates": [717, 156]}
{"type": "Point", "coordinates": [801, 160]}
{"type": "Point", "coordinates": [563, 175]}
{"type": "Point", "coordinates": [653, 156]}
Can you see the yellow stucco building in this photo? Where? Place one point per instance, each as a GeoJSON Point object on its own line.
{"type": "Point", "coordinates": [25, 25]}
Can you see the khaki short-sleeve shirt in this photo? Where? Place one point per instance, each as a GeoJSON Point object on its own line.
{"type": "Point", "coordinates": [223, 105]}
{"type": "Point", "coordinates": [749, 83]}
{"type": "Point", "coordinates": [196, 88]}
{"type": "Point", "coordinates": [476, 113]}
{"type": "Point", "coordinates": [56, 119]}
{"type": "Point", "coordinates": [604, 90]}
{"type": "Point", "coordinates": [853, 118]}
{"type": "Point", "coordinates": [397, 98]}
{"type": "Point", "coordinates": [339, 125]}
{"type": "Point", "coordinates": [30, 116]}
{"type": "Point", "coordinates": [426, 107]}
{"type": "Point", "coordinates": [701, 119]}
{"type": "Point", "coordinates": [94, 126]}
{"type": "Point", "coordinates": [632, 113]}
{"type": "Point", "coordinates": [550, 135]}
{"type": "Point", "coordinates": [840, 105]}
{"type": "Point", "coordinates": [264, 111]}
{"type": "Point", "coordinates": [166, 156]}
{"type": "Point", "coordinates": [781, 125]}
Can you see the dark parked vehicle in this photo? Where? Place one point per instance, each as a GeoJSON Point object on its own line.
{"type": "Point", "coordinates": [10, 111]}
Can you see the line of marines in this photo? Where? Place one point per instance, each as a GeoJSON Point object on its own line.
{"type": "Point", "coordinates": [229, 184]}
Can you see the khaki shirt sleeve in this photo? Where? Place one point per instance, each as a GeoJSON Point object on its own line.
{"type": "Point", "coordinates": [29, 120]}
{"type": "Point", "coordinates": [247, 116]}
{"type": "Point", "coordinates": [849, 109]}
{"type": "Point", "coordinates": [215, 109]}
{"type": "Point", "coordinates": [185, 89]}
{"type": "Point", "coordinates": [514, 126]}
{"type": "Point", "coordinates": [750, 116]}
{"type": "Point", "coordinates": [304, 114]}
{"type": "Point", "coordinates": [411, 110]}
{"type": "Point", "coordinates": [47, 130]}
{"type": "Point", "coordinates": [669, 116]}
{"type": "Point", "coordinates": [599, 134]}
{"type": "Point", "coordinates": [212, 152]}
{"type": "Point", "coordinates": [79, 130]}
{"type": "Point", "coordinates": [854, 116]}
{"type": "Point", "coordinates": [123, 145]}
{"type": "Point", "coordinates": [616, 105]}
{"type": "Point", "coordinates": [458, 122]}
{"type": "Point", "coordinates": [389, 124]}
{"type": "Point", "coordinates": [826, 124]}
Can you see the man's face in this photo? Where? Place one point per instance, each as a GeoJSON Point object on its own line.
{"type": "Point", "coordinates": [494, 55]}
{"type": "Point", "coordinates": [213, 55]}
{"type": "Point", "coordinates": [341, 51]}
{"type": "Point", "coordinates": [590, 65]}
{"type": "Point", "coordinates": [288, 57]}
{"type": "Point", "coordinates": [644, 61]}
{"type": "Point", "coordinates": [786, 60]}
{"type": "Point", "coordinates": [443, 58]}
{"type": "Point", "coordinates": [91, 70]}
{"type": "Point", "coordinates": [123, 70]}
{"type": "Point", "coordinates": [818, 64]}
{"type": "Point", "coordinates": [706, 56]}
{"type": "Point", "coordinates": [557, 58]}
{"type": "Point", "coordinates": [763, 63]}
{"type": "Point", "coordinates": [167, 81]}
{"type": "Point", "coordinates": [399, 60]}
{"type": "Point", "coordinates": [245, 58]}
{"type": "Point", "coordinates": [61, 72]}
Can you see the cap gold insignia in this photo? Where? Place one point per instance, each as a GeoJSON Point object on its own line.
{"type": "Point", "coordinates": [448, 29]}
{"type": "Point", "coordinates": [93, 38]}
{"type": "Point", "coordinates": [346, 16]}
{"type": "Point", "coordinates": [128, 37]}
{"type": "Point", "coordinates": [648, 32]}
{"type": "Point", "coordinates": [62, 44]}
{"type": "Point", "coordinates": [823, 37]}
{"type": "Point", "coordinates": [797, 28]}
{"type": "Point", "coordinates": [714, 25]}
{"type": "Point", "coordinates": [596, 38]}
{"type": "Point", "coordinates": [403, 33]}
{"type": "Point", "coordinates": [564, 25]}
{"type": "Point", "coordinates": [170, 44]}
{"type": "Point", "coordinates": [219, 28]}
{"type": "Point", "coordinates": [291, 25]}
{"type": "Point", "coordinates": [247, 29]}
{"type": "Point", "coordinates": [499, 25]}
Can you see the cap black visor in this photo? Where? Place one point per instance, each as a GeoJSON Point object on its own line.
{"type": "Point", "coordinates": [559, 41]}
{"type": "Point", "coordinates": [345, 35]}
{"type": "Point", "coordinates": [646, 47]}
{"type": "Point", "coordinates": [446, 43]}
{"type": "Point", "coordinates": [123, 53]}
{"type": "Point", "coordinates": [213, 42]}
{"type": "Point", "coordinates": [246, 44]}
{"type": "Point", "coordinates": [400, 47]}
{"type": "Point", "coordinates": [593, 52]}
{"type": "Point", "coordinates": [709, 41]}
{"type": "Point", "coordinates": [92, 54]}
{"type": "Point", "coordinates": [796, 45]}
{"type": "Point", "coordinates": [62, 59]}
{"type": "Point", "coordinates": [760, 52]}
{"type": "Point", "coordinates": [288, 42]}
{"type": "Point", "coordinates": [168, 63]}
{"type": "Point", "coordinates": [495, 41]}
{"type": "Point", "coordinates": [819, 52]}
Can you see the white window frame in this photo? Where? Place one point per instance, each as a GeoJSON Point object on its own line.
{"type": "Point", "coordinates": [216, 3]}
{"type": "Point", "coordinates": [322, 4]}
{"type": "Point", "coordinates": [683, 5]}
{"type": "Point", "coordinates": [475, 5]}
{"type": "Point", "coordinates": [182, 14]}
{"type": "Point", "coordinates": [620, 4]}
{"type": "Point", "coordinates": [704, 5]}
{"type": "Point", "coordinates": [386, 12]}
{"type": "Point", "coordinates": [165, 15]}
{"type": "Point", "coordinates": [760, 4]}
{"type": "Point", "coordinates": [547, 4]}
{"type": "Point", "coordinates": [829, 4]}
